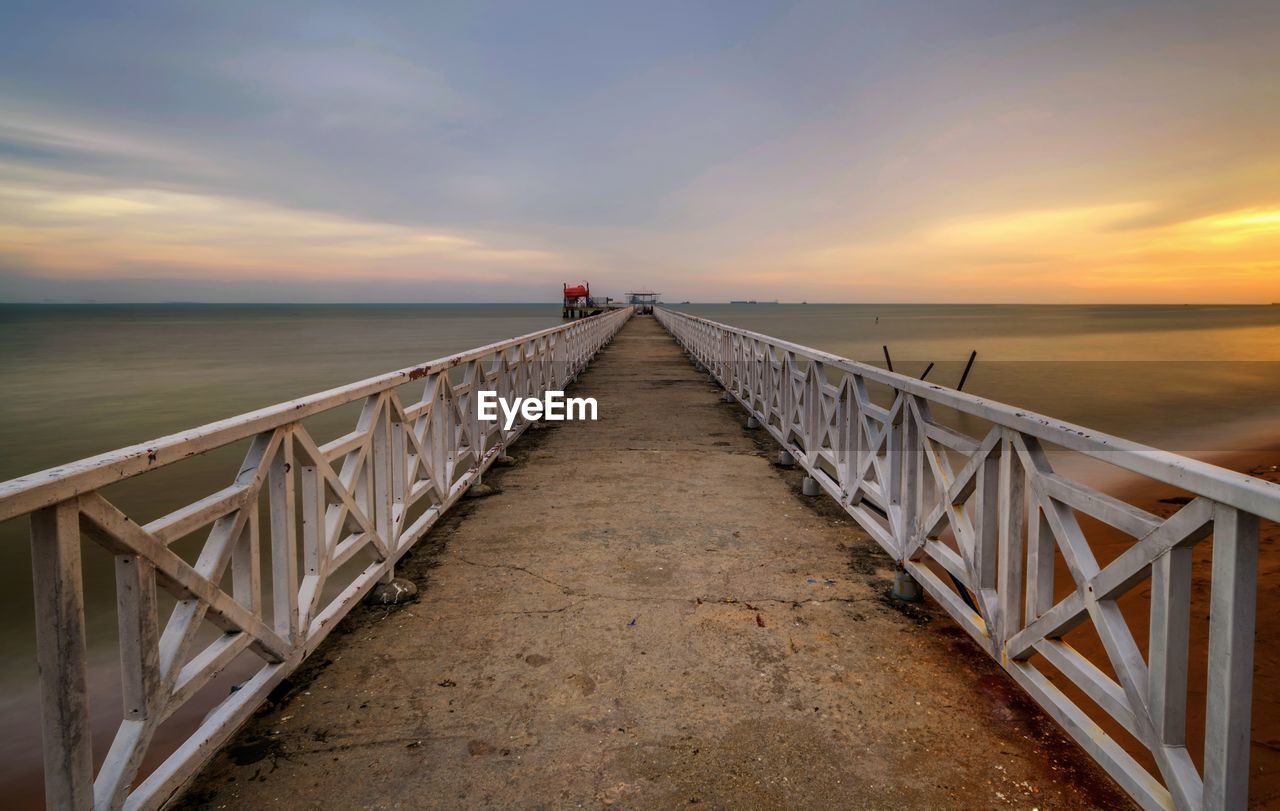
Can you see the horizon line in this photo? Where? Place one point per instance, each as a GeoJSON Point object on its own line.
{"type": "Point", "coordinates": [556, 303]}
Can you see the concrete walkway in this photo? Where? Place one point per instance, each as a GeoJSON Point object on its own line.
{"type": "Point", "coordinates": [648, 615]}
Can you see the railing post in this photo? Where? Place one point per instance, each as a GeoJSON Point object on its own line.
{"type": "Point", "coordinates": [986, 531]}
{"type": "Point", "coordinates": [1231, 622]}
{"type": "Point", "coordinates": [1167, 646]}
{"type": "Point", "coordinates": [895, 449]}
{"type": "Point", "coordinates": [313, 537]}
{"type": "Point", "coordinates": [766, 387]}
{"type": "Point", "coordinates": [860, 446]}
{"type": "Point", "coordinates": [558, 360]}
{"type": "Point", "coordinates": [284, 543]}
{"type": "Point", "coordinates": [383, 489]}
{"type": "Point", "coordinates": [912, 456]}
{"type": "Point", "coordinates": [726, 361]}
{"type": "Point", "coordinates": [813, 400]}
{"type": "Point", "coordinates": [400, 467]}
{"type": "Point", "coordinates": [1040, 545]}
{"type": "Point", "coordinates": [139, 635]}
{"type": "Point", "coordinates": [848, 429]}
{"type": "Point", "coordinates": [60, 655]}
{"type": "Point", "coordinates": [1013, 517]}
{"type": "Point", "coordinates": [473, 380]}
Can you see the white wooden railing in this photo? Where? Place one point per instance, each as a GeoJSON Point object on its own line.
{"type": "Point", "coordinates": [991, 513]}
{"type": "Point", "coordinates": [362, 500]}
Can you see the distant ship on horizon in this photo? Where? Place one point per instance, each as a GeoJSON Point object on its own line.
{"type": "Point", "coordinates": [753, 301]}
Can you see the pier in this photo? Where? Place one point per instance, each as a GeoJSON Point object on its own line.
{"type": "Point", "coordinates": [697, 612]}
{"type": "Point", "coordinates": [661, 622]}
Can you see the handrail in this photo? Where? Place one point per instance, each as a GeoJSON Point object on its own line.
{"type": "Point", "coordinates": [981, 536]}
{"type": "Point", "coordinates": [26, 493]}
{"type": "Point", "coordinates": [1240, 490]}
{"type": "Point", "coordinates": [365, 497]}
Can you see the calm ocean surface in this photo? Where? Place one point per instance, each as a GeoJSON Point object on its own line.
{"type": "Point", "coordinates": [1188, 379]}
{"type": "Point", "coordinates": [80, 380]}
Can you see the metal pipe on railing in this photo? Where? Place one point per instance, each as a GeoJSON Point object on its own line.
{"type": "Point", "coordinates": [968, 367]}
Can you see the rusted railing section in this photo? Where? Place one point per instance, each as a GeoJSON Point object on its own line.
{"type": "Point", "coordinates": [345, 511]}
{"type": "Point", "coordinates": [990, 513]}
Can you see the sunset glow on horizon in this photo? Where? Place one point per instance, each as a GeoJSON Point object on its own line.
{"type": "Point", "coordinates": [826, 152]}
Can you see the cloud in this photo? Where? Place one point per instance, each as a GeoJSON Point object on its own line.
{"type": "Point", "coordinates": [68, 139]}
{"type": "Point", "coordinates": [92, 231]}
{"type": "Point", "coordinates": [349, 88]}
{"type": "Point", "coordinates": [909, 151]}
{"type": "Point", "coordinates": [1069, 254]}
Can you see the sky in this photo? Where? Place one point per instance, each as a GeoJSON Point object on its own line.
{"type": "Point", "coordinates": [848, 151]}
